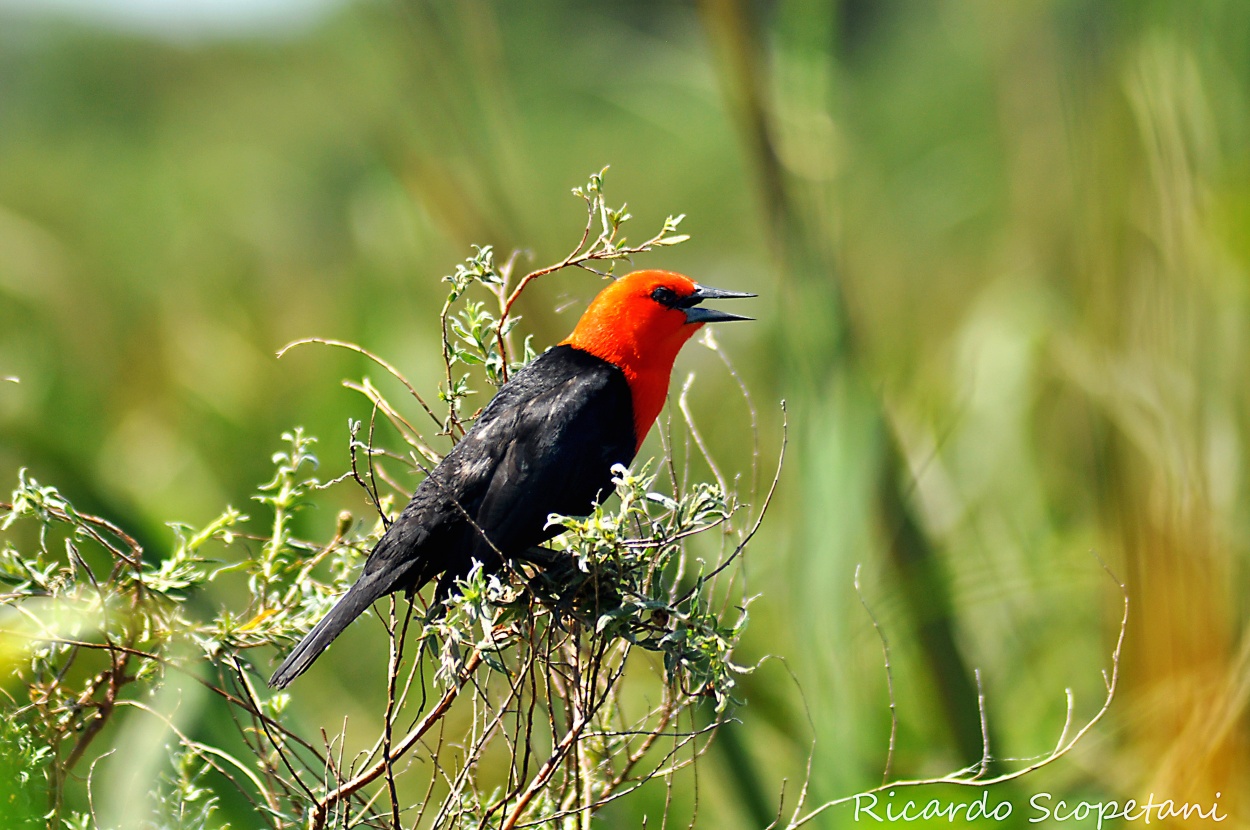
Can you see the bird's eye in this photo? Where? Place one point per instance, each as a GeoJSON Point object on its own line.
{"type": "Point", "coordinates": [665, 296]}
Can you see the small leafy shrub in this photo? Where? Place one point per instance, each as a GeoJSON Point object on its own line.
{"type": "Point", "coordinates": [508, 709]}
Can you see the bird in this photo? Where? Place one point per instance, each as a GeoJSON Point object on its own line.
{"type": "Point", "coordinates": [546, 443]}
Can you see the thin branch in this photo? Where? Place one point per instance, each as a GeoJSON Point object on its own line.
{"type": "Point", "coordinates": [768, 500]}
{"type": "Point", "coordinates": [709, 340]}
{"type": "Point", "coordinates": [207, 751]}
{"type": "Point", "coordinates": [254, 704]}
{"type": "Point", "coordinates": [395, 373]}
{"type": "Point", "coordinates": [222, 693]}
{"type": "Point", "coordinates": [603, 248]}
{"type": "Point", "coordinates": [683, 405]}
{"type": "Point", "coordinates": [959, 778]}
{"type": "Point", "coordinates": [392, 675]}
{"type": "Point", "coordinates": [410, 434]}
{"type": "Point", "coordinates": [889, 677]}
{"type": "Point", "coordinates": [984, 764]}
{"type": "Point", "coordinates": [436, 714]}
{"type": "Point", "coordinates": [133, 555]}
{"type": "Point", "coordinates": [544, 773]}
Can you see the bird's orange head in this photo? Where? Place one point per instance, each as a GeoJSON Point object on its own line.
{"type": "Point", "coordinates": [639, 323]}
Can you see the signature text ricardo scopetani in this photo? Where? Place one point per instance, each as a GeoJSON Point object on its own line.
{"type": "Point", "coordinates": [1041, 807]}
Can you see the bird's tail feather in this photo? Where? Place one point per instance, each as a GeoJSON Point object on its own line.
{"type": "Point", "coordinates": [351, 606]}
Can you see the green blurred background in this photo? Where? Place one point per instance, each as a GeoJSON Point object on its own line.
{"type": "Point", "coordinates": [1002, 252]}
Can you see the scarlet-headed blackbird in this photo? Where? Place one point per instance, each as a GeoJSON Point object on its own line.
{"type": "Point", "coordinates": [545, 444]}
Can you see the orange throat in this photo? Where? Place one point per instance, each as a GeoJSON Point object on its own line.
{"type": "Point", "coordinates": [648, 392]}
{"type": "Point", "coordinates": [646, 363]}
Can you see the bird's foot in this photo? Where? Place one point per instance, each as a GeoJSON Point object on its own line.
{"type": "Point", "coordinates": [565, 587]}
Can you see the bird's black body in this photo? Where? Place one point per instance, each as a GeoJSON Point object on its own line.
{"type": "Point", "coordinates": [545, 444]}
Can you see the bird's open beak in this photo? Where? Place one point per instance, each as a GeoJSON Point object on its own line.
{"type": "Point", "coordinates": [694, 314]}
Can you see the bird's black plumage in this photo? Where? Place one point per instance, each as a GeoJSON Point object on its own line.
{"type": "Point", "coordinates": [545, 444]}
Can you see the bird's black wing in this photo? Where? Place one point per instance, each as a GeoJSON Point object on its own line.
{"type": "Point", "coordinates": [558, 456]}
{"type": "Point", "coordinates": [545, 444]}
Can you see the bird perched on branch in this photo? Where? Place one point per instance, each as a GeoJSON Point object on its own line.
{"type": "Point", "coordinates": [545, 444]}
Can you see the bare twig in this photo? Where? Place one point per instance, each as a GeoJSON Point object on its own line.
{"type": "Point", "coordinates": [321, 808]}
{"type": "Point", "coordinates": [169, 664]}
{"type": "Point", "coordinates": [683, 405]}
{"type": "Point", "coordinates": [545, 772]}
{"type": "Point", "coordinates": [973, 777]}
{"type": "Point", "coordinates": [768, 500]}
{"type": "Point", "coordinates": [889, 677]}
{"type": "Point", "coordinates": [254, 704]}
{"type": "Point", "coordinates": [602, 248]}
{"type": "Point", "coordinates": [395, 373]}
